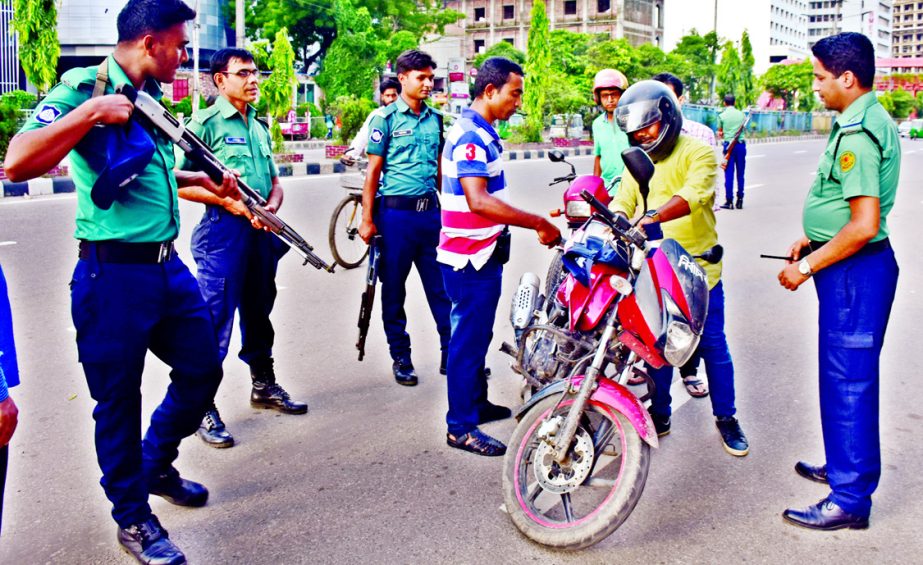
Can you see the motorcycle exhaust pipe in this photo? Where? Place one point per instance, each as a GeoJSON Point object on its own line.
{"type": "Point", "coordinates": [524, 302]}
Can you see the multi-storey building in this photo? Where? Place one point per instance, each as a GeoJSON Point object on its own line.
{"type": "Point", "coordinates": [907, 26]}
{"type": "Point", "coordinates": [869, 17]}
{"type": "Point", "coordinates": [490, 21]}
{"type": "Point", "coordinates": [10, 74]}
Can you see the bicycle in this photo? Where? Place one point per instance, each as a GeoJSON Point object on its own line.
{"type": "Point", "coordinates": [348, 249]}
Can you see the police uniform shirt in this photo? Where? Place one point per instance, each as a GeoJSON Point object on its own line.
{"type": "Point", "coordinates": [730, 120]}
{"type": "Point", "coordinates": [146, 209]}
{"type": "Point", "coordinates": [409, 144]}
{"type": "Point", "coordinates": [862, 158]}
{"type": "Point", "coordinates": [246, 147]}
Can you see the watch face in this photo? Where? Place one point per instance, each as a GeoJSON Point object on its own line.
{"type": "Point", "coordinates": [804, 268]}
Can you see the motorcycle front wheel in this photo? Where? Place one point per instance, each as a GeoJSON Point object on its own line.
{"type": "Point", "coordinates": [579, 503]}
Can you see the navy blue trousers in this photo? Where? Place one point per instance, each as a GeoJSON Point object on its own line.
{"type": "Point", "coordinates": [410, 238]}
{"type": "Point", "coordinates": [855, 297]}
{"type": "Point", "coordinates": [719, 367]}
{"type": "Point", "coordinates": [475, 295]}
{"type": "Point", "coordinates": [120, 312]}
{"type": "Point", "coordinates": [236, 268]}
{"type": "Point", "coordinates": [736, 165]}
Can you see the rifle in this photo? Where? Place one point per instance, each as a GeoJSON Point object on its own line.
{"type": "Point", "coordinates": [368, 296]}
{"type": "Point", "coordinates": [733, 143]}
{"type": "Point", "coordinates": [199, 152]}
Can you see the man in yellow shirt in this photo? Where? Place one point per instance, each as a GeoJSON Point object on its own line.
{"type": "Point", "coordinates": [681, 198]}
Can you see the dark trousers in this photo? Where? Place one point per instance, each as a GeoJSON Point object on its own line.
{"type": "Point", "coordinates": [410, 238]}
{"type": "Point", "coordinates": [475, 295]}
{"type": "Point", "coordinates": [120, 312]}
{"type": "Point", "coordinates": [236, 268]}
{"type": "Point", "coordinates": [736, 164]}
{"type": "Point", "coordinates": [855, 297]}
{"type": "Point", "coordinates": [719, 367]}
{"type": "Point", "coordinates": [4, 460]}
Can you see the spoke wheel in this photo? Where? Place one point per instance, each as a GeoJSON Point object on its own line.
{"type": "Point", "coordinates": [348, 249]}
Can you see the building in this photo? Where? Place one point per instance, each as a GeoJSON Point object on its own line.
{"type": "Point", "coordinates": [777, 28]}
{"type": "Point", "coordinates": [907, 29]}
{"type": "Point", "coordinates": [10, 73]}
{"type": "Point", "coordinates": [869, 17]}
{"type": "Point", "coordinates": [490, 21]}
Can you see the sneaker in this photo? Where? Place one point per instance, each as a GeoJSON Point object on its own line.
{"type": "Point", "coordinates": [661, 423]}
{"type": "Point", "coordinates": [212, 430]}
{"type": "Point", "coordinates": [149, 543]}
{"type": "Point", "coordinates": [732, 437]}
{"type": "Point", "coordinates": [177, 490]}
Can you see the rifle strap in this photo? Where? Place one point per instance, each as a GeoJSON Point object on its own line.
{"type": "Point", "coordinates": [102, 78]}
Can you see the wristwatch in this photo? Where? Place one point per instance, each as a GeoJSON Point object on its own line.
{"type": "Point", "coordinates": [653, 214]}
{"type": "Point", "coordinates": [805, 268]}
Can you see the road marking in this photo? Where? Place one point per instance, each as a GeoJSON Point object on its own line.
{"type": "Point", "coordinates": [760, 156]}
{"type": "Point", "coordinates": [5, 243]}
{"type": "Point", "coordinates": [801, 151]}
{"type": "Point", "coordinates": [749, 186]}
{"type": "Point", "coordinates": [679, 394]}
{"type": "Point", "coordinates": [911, 152]}
{"type": "Point", "coordinates": [10, 200]}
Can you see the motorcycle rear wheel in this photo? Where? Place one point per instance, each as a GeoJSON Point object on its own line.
{"type": "Point", "coordinates": [591, 510]}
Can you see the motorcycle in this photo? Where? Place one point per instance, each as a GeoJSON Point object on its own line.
{"type": "Point", "coordinates": [578, 459]}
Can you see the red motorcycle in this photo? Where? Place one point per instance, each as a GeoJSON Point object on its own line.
{"type": "Point", "coordinates": [579, 456]}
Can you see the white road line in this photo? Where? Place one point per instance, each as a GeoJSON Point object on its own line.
{"type": "Point", "coordinates": [911, 152]}
{"type": "Point", "coordinates": [10, 200]}
{"type": "Point", "coordinates": [760, 156]}
{"type": "Point", "coordinates": [5, 243]}
{"type": "Point", "coordinates": [801, 151]}
{"type": "Point", "coordinates": [679, 394]}
{"type": "Point", "coordinates": [749, 186]}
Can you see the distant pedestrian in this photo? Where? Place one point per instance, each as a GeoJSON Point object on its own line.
{"type": "Point", "coordinates": [730, 127]}
{"type": "Point", "coordinates": [388, 91]}
{"type": "Point", "coordinates": [328, 121]}
{"type": "Point", "coordinates": [9, 377]}
{"type": "Point", "coordinates": [847, 251]}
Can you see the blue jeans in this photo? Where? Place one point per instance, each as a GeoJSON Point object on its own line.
{"type": "Point", "coordinates": [236, 269]}
{"type": "Point", "coordinates": [120, 312]}
{"type": "Point", "coordinates": [719, 367]}
{"type": "Point", "coordinates": [475, 295]}
{"type": "Point", "coordinates": [855, 297]}
{"type": "Point", "coordinates": [409, 238]}
{"type": "Point", "coordinates": [736, 163]}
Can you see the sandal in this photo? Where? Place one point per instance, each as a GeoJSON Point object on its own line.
{"type": "Point", "coordinates": [477, 442]}
{"type": "Point", "coordinates": [696, 387]}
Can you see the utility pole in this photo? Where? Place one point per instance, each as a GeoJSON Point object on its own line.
{"type": "Point", "coordinates": [195, 59]}
{"type": "Point", "coordinates": [239, 23]}
{"type": "Point", "coordinates": [714, 51]}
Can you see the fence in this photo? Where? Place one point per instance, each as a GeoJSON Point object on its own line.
{"type": "Point", "coordinates": [765, 122]}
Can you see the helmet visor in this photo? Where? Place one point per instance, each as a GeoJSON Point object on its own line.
{"type": "Point", "coordinates": [638, 115]}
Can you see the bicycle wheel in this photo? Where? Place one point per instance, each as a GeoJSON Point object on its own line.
{"type": "Point", "coordinates": [349, 251]}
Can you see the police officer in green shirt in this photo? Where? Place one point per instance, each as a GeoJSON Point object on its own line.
{"type": "Point", "coordinates": [405, 142]}
{"type": "Point", "coordinates": [846, 250]}
{"type": "Point", "coordinates": [130, 293]}
{"type": "Point", "coordinates": [236, 258]}
{"type": "Point", "coordinates": [730, 121]}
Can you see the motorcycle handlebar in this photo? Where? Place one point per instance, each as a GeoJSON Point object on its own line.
{"type": "Point", "coordinates": [617, 222]}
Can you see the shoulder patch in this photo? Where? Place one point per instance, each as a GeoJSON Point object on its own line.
{"type": "Point", "coordinates": [47, 114]}
{"type": "Point", "coordinates": [847, 161]}
{"type": "Point", "coordinates": [376, 135]}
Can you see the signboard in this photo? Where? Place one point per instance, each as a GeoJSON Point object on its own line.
{"type": "Point", "coordinates": [456, 69]}
{"type": "Point", "coordinates": [458, 88]}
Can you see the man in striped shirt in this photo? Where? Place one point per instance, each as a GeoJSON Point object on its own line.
{"type": "Point", "coordinates": [474, 245]}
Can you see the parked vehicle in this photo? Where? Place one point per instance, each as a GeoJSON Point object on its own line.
{"type": "Point", "coordinates": [299, 129]}
{"type": "Point", "coordinates": [903, 129]}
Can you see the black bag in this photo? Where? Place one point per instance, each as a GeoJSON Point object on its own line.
{"type": "Point", "coordinates": [502, 250]}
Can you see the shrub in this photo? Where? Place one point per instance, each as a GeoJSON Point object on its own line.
{"type": "Point", "coordinates": [352, 112]}
{"type": "Point", "coordinates": [12, 116]}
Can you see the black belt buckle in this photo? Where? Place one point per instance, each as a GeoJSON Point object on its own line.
{"type": "Point", "coordinates": [167, 250]}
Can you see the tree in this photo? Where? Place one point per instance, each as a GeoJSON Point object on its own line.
{"type": "Point", "coordinates": [698, 64]}
{"type": "Point", "coordinates": [728, 74]}
{"type": "Point", "coordinates": [538, 67]}
{"type": "Point", "coordinates": [277, 89]}
{"type": "Point", "coordinates": [887, 102]}
{"type": "Point", "coordinates": [501, 49]}
{"type": "Point", "coordinates": [36, 23]}
{"type": "Point", "coordinates": [354, 59]}
{"type": "Point", "coordinates": [903, 103]}
{"type": "Point", "coordinates": [791, 82]}
{"type": "Point", "coordinates": [748, 93]}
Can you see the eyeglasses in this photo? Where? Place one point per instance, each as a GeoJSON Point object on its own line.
{"type": "Point", "coordinates": [610, 95]}
{"type": "Point", "coordinates": [243, 73]}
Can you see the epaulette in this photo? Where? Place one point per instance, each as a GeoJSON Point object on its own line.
{"type": "Point", "coordinates": [854, 128]}
{"type": "Point", "coordinates": [205, 114]}
{"type": "Point", "coordinates": [79, 76]}
{"type": "Point", "coordinates": [388, 110]}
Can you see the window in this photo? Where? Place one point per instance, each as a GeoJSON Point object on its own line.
{"type": "Point", "coordinates": [570, 7]}
{"type": "Point", "coordinates": [509, 40]}
{"type": "Point", "coordinates": [508, 13]}
{"type": "Point", "coordinates": [603, 6]}
{"type": "Point", "coordinates": [478, 46]}
{"type": "Point", "coordinates": [180, 89]}
{"type": "Point", "coordinates": [480, 14]}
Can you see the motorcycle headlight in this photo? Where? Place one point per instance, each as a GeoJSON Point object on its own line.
{"type": "Point", "coordinates": [680, 344]}
{"type": "Point", "coordinates": [578, 209]}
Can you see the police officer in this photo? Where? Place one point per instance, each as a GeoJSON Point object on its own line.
{"type": "Point", "coordinates": [130, 293]}
{"type": "Point", "coordinates": [730, 121]}
{"type": "Point", "coordinates": [846, 251]}
{"type": "Point", "coordinates": [9, 377]}
{"type": "Point", "coordinates": [404, 145]}
{"type": "Point", "coordinates": [236, 258]}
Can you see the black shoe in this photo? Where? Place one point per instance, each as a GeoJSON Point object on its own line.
{"type": "Point", "coordinates": [492, 413]}
{"type": "Point", "coordinates": [825, 515]}
{"type": "Point", "coordinates": [444, 371]}
{"type": "Point", "coordinates": [273, 396]}
{"type": "Point", "coordinates": [740, 203]}
{"type": "Point", "coordinates": [404, 373]}
{"type": "Point", "coordinates": [149, 543]}
{"type": "Point", "coordinates": [728, 205]}
{"type": "Point", "coordinates": [212, 430]}
{"type": "Point", "coordinates": [732, 437]}
{"type": "Point", "coordinates": [817, 474]}
{"type": "Point", "coordinates": [177, 490]}
{"type": "Point", "coordinates": [477, 442]}
{"type": "Point", "coordinates": [661, 423]}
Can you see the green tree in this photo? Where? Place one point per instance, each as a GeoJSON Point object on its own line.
{"type": "Point", "coordinates": [903, 103]}
{"type": "Point", "coordinates": [277, 89]}
{"type": "Point", "coordinates": [538, 67]}
{"type": "Point", "coordinates": [697, 64]}
{"type": "Point", "coordinates": [352, 112]}
{"type": "Point", "coordinates": [11, 116]}
{"type": "Point", "coordinates": [36, 23]}
{"type": "Point", "coordinates": [501, 49]}
{"type": "Point", "coordinates": [355, 57]}
{"type": "Point", "coordinates": [791, 82]}
{"type": "Point", "coordinates": [918, 104]}
{"type": "Point", "coordinates": [748, 93]}
{"type": "Point", "coordinates": [728, 73]}
{"type": "Point", "coordinates": [887, 102]}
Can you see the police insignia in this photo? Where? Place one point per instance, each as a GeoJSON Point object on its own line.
{"type": "Point", "coordinates": [847, 161]}
{"type": "Point", "coordinates": [376, 135]}
{"type": "Point", "coordinates": [47, 114]}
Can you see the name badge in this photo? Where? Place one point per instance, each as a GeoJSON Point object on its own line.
{"type": "Point", "coordinates": [402, 133]}
{"type": "Point", "coordinates": [235, 140]}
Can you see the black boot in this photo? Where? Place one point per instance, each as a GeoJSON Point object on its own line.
{"type": "Point", "coordinates": [728, 205]}
{"type": "Point", "coordinates": [212, 430]}
{"type": "Point", "coordinates": [149, 542]}
{"type": "Point", "coordinates": [740, 202]}
{"type": "Point", "coordinates": [267, 393]}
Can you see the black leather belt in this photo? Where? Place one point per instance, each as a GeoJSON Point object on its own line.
{"type": "Point", "coordinates": [413, 203]}
{"type": "Point", "coordinates": [868, 248]}
{"type": "Point", "coordinates": [126, 252]}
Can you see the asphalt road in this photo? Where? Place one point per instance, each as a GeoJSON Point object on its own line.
{"type": "Point", "coordinates": [366, 476]}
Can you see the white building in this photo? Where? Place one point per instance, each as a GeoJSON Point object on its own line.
{"type": "Point", "coordinates": [870, 17]}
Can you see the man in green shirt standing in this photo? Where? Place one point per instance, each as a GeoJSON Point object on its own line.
{"type": "Point", "coordinates": [130, 293]}
{"type": "Point", "coordinates": [608, 140]}
{"type": "Point", "coordinates": [730, 122]}
{"type": "Point", "coordinates": [846, 250]}
{"type": "Point", "coordinates": [236, 259]}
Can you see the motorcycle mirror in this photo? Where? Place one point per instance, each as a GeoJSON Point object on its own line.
{"type": "Point", "coordinates": [641, 168]}
{"type": "Point", "coordinates": [712, 255]}
{"type": "Point", "coordinates": [556, 156]}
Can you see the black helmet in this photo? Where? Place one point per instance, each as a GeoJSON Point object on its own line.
{"type": "Point", "coordinates": [645, 103]}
